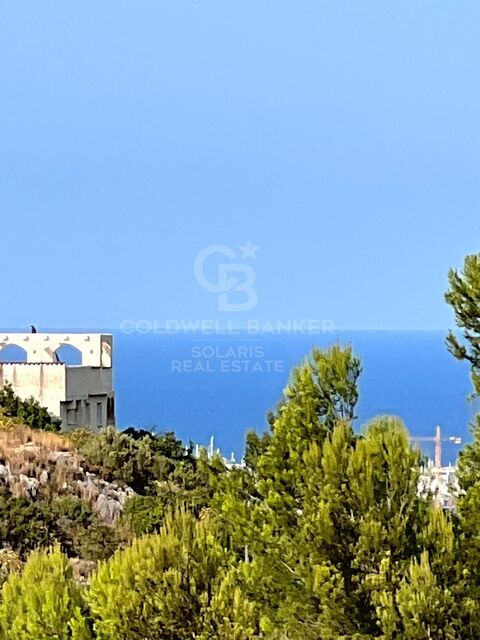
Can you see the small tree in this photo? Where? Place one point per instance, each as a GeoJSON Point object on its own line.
{"type": "Point", "coordinates": [322, 391]}
{"type": "Point", "coordinates": [43, 602]}
{"type": "Point", "coordinates": [426, 609]}
{"type": "Point", "coordinates": [361, 507]}
{"type": "Point", "coordinates": [24, 523]}
{"type": "Point", "coordinates": [230, 615]}
{"type": "Point", "coordinates": [170, 585]}
{"type": "Point", "coordinates": [28, 412]}
{"type": "Point", "coordinates": [262, 509]}
{"type": "Point", "coordinates": [464, 297]}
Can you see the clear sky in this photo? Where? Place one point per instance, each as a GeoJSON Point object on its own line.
{"type": "Point", "coordinates": [342, 138]}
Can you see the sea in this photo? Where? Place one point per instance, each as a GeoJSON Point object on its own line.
{"type": "Point", "coordinates": [214, 385]}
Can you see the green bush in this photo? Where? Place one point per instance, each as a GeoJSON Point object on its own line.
{"type": "Point", "coordinates": [161, 586]}
{"type": "Point", "coordinates": [79, 532]}
{"type": "Point", "coordinates": [43, 602]}
{"type": "Point", "coordinates": [28, 412]}
{"type": "Point", "coordinates": [145, 514]}
{"type": "Point", "coordinates": [137, 462]}
{"type": "Point", "coordinates": [24, 523]}
{"type": "Point", "coordinates": [27, 524]}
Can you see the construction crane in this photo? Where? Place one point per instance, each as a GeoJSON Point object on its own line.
{"type": "Point", "coordinates": [438, 440]}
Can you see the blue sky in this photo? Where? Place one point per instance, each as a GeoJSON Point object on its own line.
{"type": "Point", "coordinates": [342, 138]}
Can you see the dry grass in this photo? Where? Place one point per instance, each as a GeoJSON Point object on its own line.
{"type": "Point", "coordinates": [49, 465]}
{"type": "Point", "coordinates": [24, 448]}
{"type": "Point", "coordinates": [13, 436]}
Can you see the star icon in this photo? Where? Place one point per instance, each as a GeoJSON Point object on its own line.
{"type": "Point", "coordinates": [249, 250]}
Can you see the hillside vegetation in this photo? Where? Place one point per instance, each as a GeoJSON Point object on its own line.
{"type": "Point", "coordinates": [321, 536]}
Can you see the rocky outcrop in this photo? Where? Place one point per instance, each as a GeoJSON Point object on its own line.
{"type": "Point", "coordinates": [33, 467]}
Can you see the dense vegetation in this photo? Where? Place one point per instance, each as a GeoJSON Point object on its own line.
{"type": "Point", "coordinates": [322, 535]}
{"type": "Point", "coordinates": [27, 412]}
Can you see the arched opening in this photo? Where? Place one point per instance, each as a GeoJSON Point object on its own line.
{"type": "Point", "coordinates": [13, 353]}
{"type": "Point", "coordinates": [68, 354]}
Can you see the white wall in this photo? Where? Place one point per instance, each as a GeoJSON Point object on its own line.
{"type": "Point", "coordinates": [66, 391]}
{"type": "Point", "coordinates": [96, 348]}
{"type": "Point", "coordinates": [44, 382]}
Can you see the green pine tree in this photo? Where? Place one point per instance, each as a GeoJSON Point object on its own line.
{"type": "Point", "coordinates": [424, 607]}
{"type": "Point", "coordinates": [261, 509]}
{"type": "Point", "coordinates": [361, 512]}
{"type": "Point", "coordinates": [170, 586]}
{"type": "Point", "coordinates": [43, 602]}
{"type": "Point", "coordinates": [464, 297]}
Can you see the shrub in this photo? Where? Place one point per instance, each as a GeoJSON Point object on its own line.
{"type": "Point", "coordinates": [28, 412]}
{"type": "Point", "coordinates": [160, 586]}
{"type": "Point", "coordinates": [145, 514]}
{"type": "Point", "coordinates": [43, 602]}
{"type": "Point", "coordinates": [24, 523]}
{"type": "Point", "coordinates": [79, 531]}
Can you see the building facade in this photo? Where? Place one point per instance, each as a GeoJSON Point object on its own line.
{"type": "Point", "coordinates": [81, 394]}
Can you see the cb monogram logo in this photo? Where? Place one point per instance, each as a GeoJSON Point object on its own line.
{"type": "Point", "coordinates": [231, 277]}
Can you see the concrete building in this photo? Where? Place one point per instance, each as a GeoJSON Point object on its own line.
{"type": "Point", "coordinates": [81, 394]}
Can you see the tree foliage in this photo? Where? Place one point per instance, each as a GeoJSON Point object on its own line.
{"type": "Point", "coordinates": [464, 296]}
{"type": "Point", "coordinates": [322, 535]}
{"type": "Point", "coordinates": [173, 585]}
{"type": "Point", "coordinates": [43, 602]}
{"type": "Point", "coordinates": [28, 412]}
{"type": "Point", "coordinates": [138, 462]}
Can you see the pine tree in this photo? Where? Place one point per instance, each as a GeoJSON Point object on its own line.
{"type": "Point", "coordinates": [430, 593]}
{"type": "Point", "coordinates": [361, 523]}
{"type": "Point", "coordinates": [170, 586]}
{"type": "Point", "coordinates": [468, 503]}
{"type": "Point", "coordinates": [262, 512]}
{"type": "Point", "coordinates": [464, 296]}
{"type": "Point", "coordinates": [43, 602]}
{"type": "Point", "coordinates": [229, 614]}
{"type": "Point", "coordinates": [424, 607]}
{"type": "Point", "coordinates": [322, 391]}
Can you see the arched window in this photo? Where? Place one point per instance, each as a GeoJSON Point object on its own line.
{"type": "Point", "coordinates": [68, 354]}
{"type": "Point", "coordinates": [13, 353]}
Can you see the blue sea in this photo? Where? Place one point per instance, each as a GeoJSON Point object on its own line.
{"type": "Point", "coordinates": [202, 385]}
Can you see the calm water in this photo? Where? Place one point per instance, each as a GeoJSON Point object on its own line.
{"type": "Point", "coordinates": [201, 385]}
